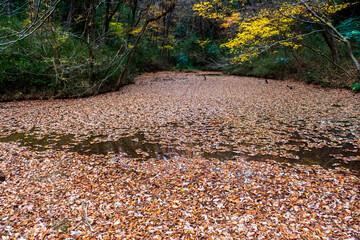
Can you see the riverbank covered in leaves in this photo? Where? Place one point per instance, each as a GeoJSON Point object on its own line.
{"type": "Point", "coordinates": [187, 156]}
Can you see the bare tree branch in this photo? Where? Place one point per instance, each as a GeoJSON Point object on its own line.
{"type": "Point", "coordinates": [340, 36]}
{"type": "Point", "coordinates": [32, 29]}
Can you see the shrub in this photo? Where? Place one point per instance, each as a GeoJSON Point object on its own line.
{"type": "Point", "coordinates": [183, 61]}
{"type": "Point", "coordinates": [355, 87]}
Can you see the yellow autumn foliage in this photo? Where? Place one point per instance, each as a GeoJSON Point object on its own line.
{"type": "Point", "coordinates": [268, 27]}
{"type": "Point", "coordinates": [203, 43]}
{"type": "Point", "coordinates": [168, 47]}
{"type": "Point", "coordinates": [136, 31]}
{"type": "Point", "coordinates": [209, 10]}
{"type": "Point", "coordinates": [117, 28]}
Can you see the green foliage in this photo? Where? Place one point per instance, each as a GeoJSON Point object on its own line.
{"type": "Point", "coordinates": [267, 65]}
{"type": "Point", "coordinates": [59, 66]}
{"type": "Point", "coordinates": [350, 28]}
{"type": "Point", "coordinates": [80, 50]}
{"type": "Point", "coordinates": [189, 45]}
{"type": "Point", "coordinates": [62, 226]}
{"type": "Point", "coordinates": [51, 62]}
{"type": "Point", "coordinates": [149, 58]}
{"type": "Point", "coordinates": [200, 54]}
{"type": "Point", "coordinates": [355, 87]}
{"type": "Point", "coordinates": [311, 75]}
{"type": "Point", "coordinates": [180, 30]}
{"type": "Point", "coordinates": [117, 28]}
{"type": "Point", "coordinates": [183, 61]}
{"type": "Point", "coordinates": [213, 50]}
{"type": "Point", "coordinates": [60, 60]}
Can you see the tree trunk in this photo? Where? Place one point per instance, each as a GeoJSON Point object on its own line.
{"type": "Point", "coordinates": [134, 8]}
{"type": "Point", "coordinates": [132, 51]}
{"type": "Point", "coordinates": [89, 25]}
{"type": "Point", "coordinates": [105, 27]}
{"type": "Point", "coordinates": [330, 41]}
{"type": "Point", "coordinates": [337, 33]}
{"type": "Point", "coordinates": [201, 29]}
{"type": "Point", "coordinates": [131, 55]}
{"type": "Point", "coordinates": [9, 7]}
{"type": "Point", "coordinates": [110, 10]}
{"type": "Point", "coordinates": [351, 54]}
{"type": "Point", "coordinates": [70, 16]}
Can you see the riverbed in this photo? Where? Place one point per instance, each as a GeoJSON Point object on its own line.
{"type": "Point", "coordinates": [184, 155]}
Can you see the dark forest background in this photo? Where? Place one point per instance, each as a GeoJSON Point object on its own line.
{"type": "Point", "coordinates": [68, 48]}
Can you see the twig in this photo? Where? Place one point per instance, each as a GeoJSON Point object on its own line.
{"type": "Point", "coordinates": [86, 216]}
{"type": "Point", "coordinates": [85, 219]}
{"type": "Point", "coordinates": [317, 52]}
{"type": "Point", "coordinates": [33, 28]}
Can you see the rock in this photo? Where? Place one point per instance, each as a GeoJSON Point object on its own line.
{"type": "Point", "coordinates": [2, 176]}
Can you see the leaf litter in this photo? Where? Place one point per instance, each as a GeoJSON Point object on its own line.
{"type": "Point", "coordinates": [168, 158]}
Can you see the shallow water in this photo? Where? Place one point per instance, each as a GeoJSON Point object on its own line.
{"type": "Point", "coordinates": [137, 146]}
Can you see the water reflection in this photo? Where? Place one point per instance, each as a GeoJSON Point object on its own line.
{"type": "Point", "coordinates": [137, 146]}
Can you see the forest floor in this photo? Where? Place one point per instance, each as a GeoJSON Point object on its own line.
{"type": "Point", "coordinates": [183, 156]}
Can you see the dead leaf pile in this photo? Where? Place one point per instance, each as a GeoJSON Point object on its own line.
{"type": "Point", "coordinates": [59, 193]}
